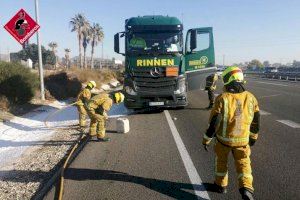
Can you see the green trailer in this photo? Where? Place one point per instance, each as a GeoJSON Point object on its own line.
{"type": "Point", "coordinates": [160, 66]}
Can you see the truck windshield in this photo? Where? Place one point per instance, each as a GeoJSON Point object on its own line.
{"type": "Point", "coordinates": [170, 42]}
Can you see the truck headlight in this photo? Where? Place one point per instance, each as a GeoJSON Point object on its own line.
{"type": "Point", "coordinates": [181, 87]}
{"type": "Point", "coordinates": [130, 91]}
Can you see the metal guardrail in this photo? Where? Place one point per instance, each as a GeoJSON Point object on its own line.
{"type": "Point", "coordinates": [289, 76]}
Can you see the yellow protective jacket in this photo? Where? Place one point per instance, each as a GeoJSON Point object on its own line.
{"type": "Point", "coordinates": [237, 119]}
{"type": "Point", "coordinates": [100, 104]}
{"type": "Point", "coordinates": [211, 82]}
{"type": "Point", "coordinates": [84, 96]}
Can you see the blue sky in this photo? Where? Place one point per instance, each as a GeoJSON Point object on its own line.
{"type": "Point", "coordinates": [243, 29]}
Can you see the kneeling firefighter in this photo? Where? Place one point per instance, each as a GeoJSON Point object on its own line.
{"type": "Point", "coordinates": [234, 121]}
{"type": "Point", "coordinates": [82, 100]}
{"type": "Point", "coordinates": [98, 107]}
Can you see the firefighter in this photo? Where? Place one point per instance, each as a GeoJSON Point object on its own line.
{"type": "Point", "coordinates": [210, 86]}
{"type": "Point", "coordinates": [98, 107]}
{"type": "Point", "coordinates": [234, 121]}
{"type": "Point", "coordinates": [82, 100]}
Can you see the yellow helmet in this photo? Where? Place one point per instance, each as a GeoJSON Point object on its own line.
{"type": "Point", "coordinates": [232, 73]}
{"type": "Point", "coordinates": [91, 84]}
{"type": "Point", "coordinates": [119, 97]}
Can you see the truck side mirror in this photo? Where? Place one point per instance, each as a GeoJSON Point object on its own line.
{"type": "Point", "coordinates": [116, 43]}
{"type": "Point", "coordinates": [193, 41]}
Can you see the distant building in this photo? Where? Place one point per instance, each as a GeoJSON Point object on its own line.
{"type": "Point", "coordinates": [98, 62]}
{"type": "Point", "coordinates": [5, 57]}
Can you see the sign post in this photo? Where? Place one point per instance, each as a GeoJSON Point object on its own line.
{"type": "Point", "coordinates": [40, 53]}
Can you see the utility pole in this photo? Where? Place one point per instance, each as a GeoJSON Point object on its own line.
{"type": "Point", "coordinates": [8, 53]}
{"type": "Point", "coordinates": [41, 72]}
{"type": "Point", "coordinates": [223, 60]}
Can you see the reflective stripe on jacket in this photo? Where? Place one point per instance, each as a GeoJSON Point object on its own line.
{"type": "Point", "coordinates": [211, 82]}
{"type": "Point", "coordinates": [237, 112]}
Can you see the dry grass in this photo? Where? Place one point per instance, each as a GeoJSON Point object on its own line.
{"type": "Point", "coordinates": [99, 76]}
{"type": "Point", "coordinates": [4, 103]}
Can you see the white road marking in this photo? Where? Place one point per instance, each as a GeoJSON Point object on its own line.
{"type": "Point", "coordinates": [272, 83]}
{"type": "Point", "coordinates": [195, 179]}
{"type": "Point", "coordinates": [289, 123]}
{"type": "Point", "coordinates": [262, 112]}
{"type": "Point", "coordinates": [268, 96]}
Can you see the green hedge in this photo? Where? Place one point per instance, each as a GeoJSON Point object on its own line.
{"type": "Point", "coordinates": [61, 86]}
{"type": "Point", "coordinates": [17, 82]}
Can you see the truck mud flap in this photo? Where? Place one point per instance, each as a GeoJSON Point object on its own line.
{"type": "Point", "coordinates": [196, 79]}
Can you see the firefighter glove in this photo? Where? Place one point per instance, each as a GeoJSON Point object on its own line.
{"type": "Point", "coordinates": [251, 141]}
{"type": "Point", "coordinates": [205, 147]}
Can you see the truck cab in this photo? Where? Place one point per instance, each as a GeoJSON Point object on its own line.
{"type": "Point", "coordinates": [159, 66]}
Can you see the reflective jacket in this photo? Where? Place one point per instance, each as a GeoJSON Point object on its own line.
{"type": "Point", "coordinates": [100, 104]}
{"type": "Point", "coordinates": [211, 82]}
{"type": "Point", "coordinates": [84, 96]}
{"type": "Point", "coordinates": [235, 117]}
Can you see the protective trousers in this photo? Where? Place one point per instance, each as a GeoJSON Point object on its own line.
{"type": "Point", "coordinates": [82, 115]}
{"type": "Point", "coordinates": [211, 96]}
{"type": "Point", "coordinates": [97, 126]}
{"type": "Point", "coordinates": [242, 161]}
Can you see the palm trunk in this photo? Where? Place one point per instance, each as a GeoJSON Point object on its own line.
{"type": "Point", "coordinates": [92, 56]}
{"type": "Point", "coordinates": [84, 57]}
{"type": "Point", "coordinates": [80, 54]}
{"type": "Point", "coordinates": [55, 66]}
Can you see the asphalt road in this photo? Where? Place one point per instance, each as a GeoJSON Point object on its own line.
{"type": "Point", "coordinates": [157, 160]}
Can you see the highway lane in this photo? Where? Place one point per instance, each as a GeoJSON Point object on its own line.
{"type": "Point", "coordinates": [277, 97]}
{"type": "Point", "coordinates": [143, 164]}
{"type": "Point", "coordinates": [146, 164]}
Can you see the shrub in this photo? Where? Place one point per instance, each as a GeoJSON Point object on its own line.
{"type": "Point", "coordinates": [61, 86]}
{"type": "Point", "coordinates": [17, 83]}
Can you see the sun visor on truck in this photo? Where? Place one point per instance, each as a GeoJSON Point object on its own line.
{"type": "Point", "coordinates": [143, 28]}
{"type": "Point", "coordinates": [196, 79]}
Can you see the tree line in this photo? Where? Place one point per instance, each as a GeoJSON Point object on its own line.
{"type": "Point", "coordinates": [86, 34]}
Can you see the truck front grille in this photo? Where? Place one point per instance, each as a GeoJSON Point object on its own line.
{"type": "Point", "coordinates": [146, 82]}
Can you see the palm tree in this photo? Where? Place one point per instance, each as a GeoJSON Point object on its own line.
{"type": "Point", "coordinates": [53, 46]}
{"type": "Point", "coordinates": [96, 36]}
{"type": "Point", "coordinates": [67, 57]}
{"type": "Point", "coordinates": [86, 33]}
{"type": "Point", "coordinates": [79, 24]}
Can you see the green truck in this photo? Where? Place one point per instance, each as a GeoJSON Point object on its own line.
{"type": "Point", "coordinates": [160, 68]}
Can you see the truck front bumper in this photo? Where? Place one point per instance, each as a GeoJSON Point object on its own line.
{"type": "Point", "coordinates": [161, 101]}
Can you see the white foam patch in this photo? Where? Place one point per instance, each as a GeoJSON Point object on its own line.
{"type": "Point", "coordinates": [20, 133]}
{"type": "Point", "coordinates": [118, 111]}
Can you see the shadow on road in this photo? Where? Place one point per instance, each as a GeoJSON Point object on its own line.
{"type": "Point", "coordinates": [204, 109]}
{"type": "Point", "coordinates": [8, 143]}
{"type": "Point", "coordinates": [169, 188]}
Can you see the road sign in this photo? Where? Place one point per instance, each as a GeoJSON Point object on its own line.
{"type": "Point", "coordinates": [21, 26]}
